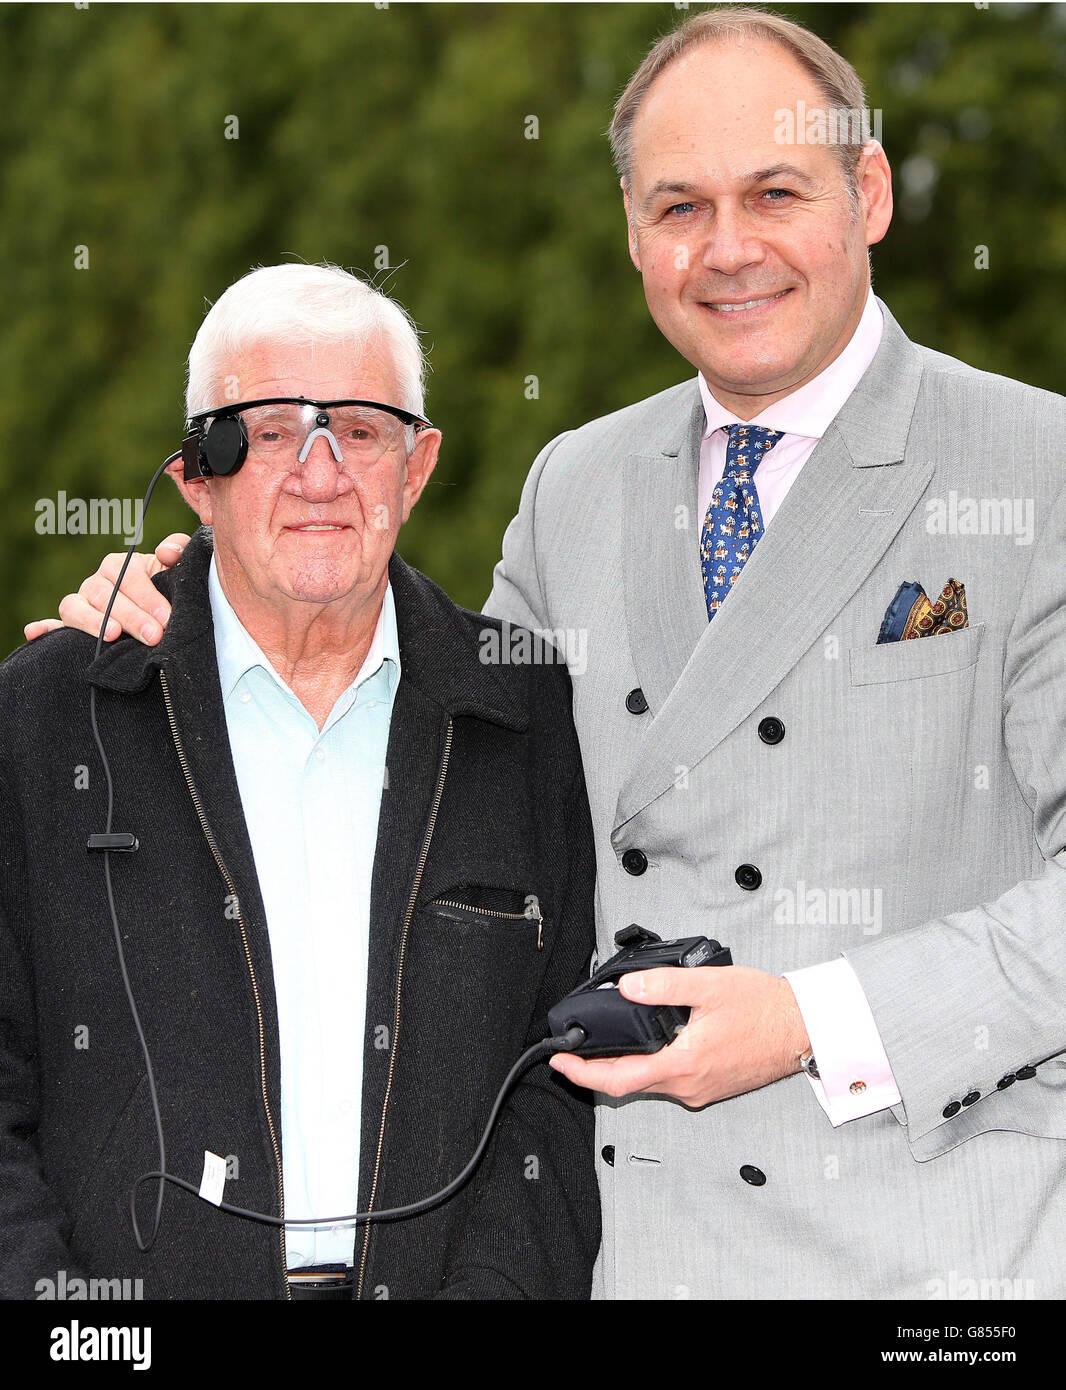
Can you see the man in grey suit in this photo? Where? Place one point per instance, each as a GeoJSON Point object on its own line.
{"type": "Point", "coordinates": [875, 825]}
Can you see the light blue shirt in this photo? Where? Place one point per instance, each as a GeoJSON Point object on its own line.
{"type": "Point", "coordinates": [311, 802]}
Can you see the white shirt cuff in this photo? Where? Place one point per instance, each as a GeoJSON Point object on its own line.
{"type": "Point", "coordinates": [855, 1077]}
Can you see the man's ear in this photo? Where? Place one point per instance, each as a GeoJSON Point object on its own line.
{"type": "Point", "coordinates": [421, 462]}
{"type": "Point", "coordinates": [634, 254]}
{"type": "Point", "coordinates": [874, 178]}
{"type": "Point", "coordinates": [196, 491]}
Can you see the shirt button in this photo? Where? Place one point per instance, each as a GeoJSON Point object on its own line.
{"type": "Point", "coordinates": [771, 730]}
{"type": "Point", "coordinates": [244, 697]}
{"type": "Point", "coordinates": [1005, 1081]}
{"type": "Point", "coordinates": [748, 876]}
{"type": "Point", "coordinates": [320, 755]}
{"type": "Point", "coordinates": [755, 1176]}
{"type": "Point", "coordinates": [607, 1154]}
{"type": "Point", "coordinates": [1025, 1073]}
{"type": "Point", "coordinates": [634, 861]}
{"type": "Point", "coordinates": [635, 702]}
{"type": "Point", "coordinates": [972, 1098]}
{"type": "Point", "coordinates": [951, 1109]}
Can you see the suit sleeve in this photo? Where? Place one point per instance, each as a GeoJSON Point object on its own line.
{"type": "Point", "coordinates": [965, 1002]}
{"type": "Point", "coordinates": [517, 594]}
{"type": "Point", "coordinates": [534, 1227]}
{"type": "Point", "coordinates": [33, 1226]}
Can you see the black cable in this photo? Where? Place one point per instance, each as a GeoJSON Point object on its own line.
{"type": "Point", "coordinates": [572, 1038]}
{"type": "Point", "coordinates": [107, 861]}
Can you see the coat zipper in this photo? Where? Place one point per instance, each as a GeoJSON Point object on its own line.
{"type": "Point", "coordinates": [399, 989]}
{"type": "Point", "coordinates": [531, 914]}
{"type": "Point", "coordinates": [247, 956]}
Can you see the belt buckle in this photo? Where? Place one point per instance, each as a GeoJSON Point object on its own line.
{"type": "Point", "coordinates": [326, 1282]}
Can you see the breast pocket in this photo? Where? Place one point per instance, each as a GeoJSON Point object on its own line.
{"type": "Point", "coordinates": [483, 947]}
{"type": "Point", "coordinates": [916, 658]}
{"type": "Point", "coordinates": [500, 910]}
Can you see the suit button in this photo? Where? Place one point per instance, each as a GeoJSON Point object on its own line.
{"type": "Point", "coordinates": [972, 1098]}
{"type": "Point", "coordinates": [634, 861]}
{"type": "Point", "coordinates": [1025, 1073]}
{"type": "Point", "coordinates": [951, 1109]}
{"type": "Point", "coordinates": [748, 877]}
{"type": "Point", "coordinates": [771, 730]}
{"type": "Point", "coordinates": [1005, 1081]}
{"type": "Point", "coordinates": [753, 1175]}
{"type": "Point", "coordinates": [607, 1154]}
{"type": "Point", "coordinates": [635, 702]}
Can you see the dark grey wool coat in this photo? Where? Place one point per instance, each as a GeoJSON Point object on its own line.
{"type": "Point", "coordinates": [485, 805]}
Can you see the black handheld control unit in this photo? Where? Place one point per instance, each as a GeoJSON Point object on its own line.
{"type": "Point", "coordinates": [616, 1026]}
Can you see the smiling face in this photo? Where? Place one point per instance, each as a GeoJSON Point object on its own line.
{"type": "Point", "coordinates": [754, 261]}
{"type": "Point", "coordinates": [318, 532]}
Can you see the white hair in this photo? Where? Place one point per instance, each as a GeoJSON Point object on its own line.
{"type": "Point", "coordinates": [312, 304]}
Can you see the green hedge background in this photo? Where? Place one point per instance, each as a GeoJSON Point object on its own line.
{"type": "Point", "coordinates": [405, 127]}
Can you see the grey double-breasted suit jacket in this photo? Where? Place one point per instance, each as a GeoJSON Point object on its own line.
{"type": "Point", "coordinates": [912, 818]}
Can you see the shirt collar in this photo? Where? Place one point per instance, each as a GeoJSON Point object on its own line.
{"type": "Point", "coordinates": [810, 410]}
{"type": "Point", "coordinates": [238, 652]}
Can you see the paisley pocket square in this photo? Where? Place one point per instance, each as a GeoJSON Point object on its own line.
{"type": "Point", "coordinates": [910, 614]}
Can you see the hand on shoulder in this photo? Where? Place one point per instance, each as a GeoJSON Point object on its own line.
{"type": "Point", "coordinates": [139, 608]}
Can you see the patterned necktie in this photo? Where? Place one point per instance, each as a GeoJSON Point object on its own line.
{"type": "Point", "coordinates": [734, 522]}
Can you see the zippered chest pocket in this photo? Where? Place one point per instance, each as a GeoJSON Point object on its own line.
{"type": "Point", "coordinates": [501, 908]}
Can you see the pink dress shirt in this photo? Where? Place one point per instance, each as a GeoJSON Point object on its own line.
{"type": "Point", "coordinates": [856, 1078]}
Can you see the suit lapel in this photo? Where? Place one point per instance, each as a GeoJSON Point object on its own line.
{"type": "Point", "coordinates": [840, 515]}
{"type": "Point", "coordinates": [665, 609]}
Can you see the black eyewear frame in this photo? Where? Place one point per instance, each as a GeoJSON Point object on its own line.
{"type": "Point", "coordinates": [419, 422]}
{"type": "Point", "coordinates": [218, 444]}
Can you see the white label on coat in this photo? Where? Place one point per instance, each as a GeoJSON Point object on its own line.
{"type": "Point", "coordinates": [214, 1178]}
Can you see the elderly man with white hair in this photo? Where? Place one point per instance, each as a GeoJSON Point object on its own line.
{"type": "Point", "coordinates": [359, 872]}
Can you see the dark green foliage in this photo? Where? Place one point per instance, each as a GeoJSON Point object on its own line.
{"type": "Point", "coordinates": [406, 128]}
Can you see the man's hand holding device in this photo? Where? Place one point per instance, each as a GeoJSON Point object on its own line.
{"type": "Point", "coordinates": [744, 1028]}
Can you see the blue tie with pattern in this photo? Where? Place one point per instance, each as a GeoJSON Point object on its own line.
{"type": "Point", "coordinates": [734, 522]}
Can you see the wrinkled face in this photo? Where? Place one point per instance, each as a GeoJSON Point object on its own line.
{"type": "Point", "coordinates": [321, 531]}
{"type": "Point", "coordinates": [754, 262]}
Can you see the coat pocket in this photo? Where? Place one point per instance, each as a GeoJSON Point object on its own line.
{"type": "Point", "coordinates": [502, 908]}
{"type": "Point", "coordinates": [937, 655]}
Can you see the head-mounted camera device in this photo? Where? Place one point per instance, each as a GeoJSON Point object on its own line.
{"type": "Point", "coordinates": [281, 430]}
